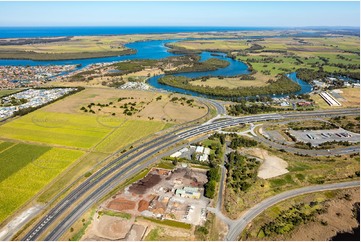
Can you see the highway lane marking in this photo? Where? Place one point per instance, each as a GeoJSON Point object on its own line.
{"type": "Point", "coordinates": [209, 127]}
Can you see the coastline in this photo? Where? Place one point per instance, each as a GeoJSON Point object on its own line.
{"type": "Point", "coordinates": [36, 56]}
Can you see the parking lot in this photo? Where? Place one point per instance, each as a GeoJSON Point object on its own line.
{"type": "Point", "coordinates": [316, 137]}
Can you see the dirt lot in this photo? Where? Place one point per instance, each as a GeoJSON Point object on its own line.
{"type": "Point", "coordinates": [112, 228]}
{"type": "Point", "coordinates": [161, 110]}
{"type": "Point", "coordinates": [271, 166]}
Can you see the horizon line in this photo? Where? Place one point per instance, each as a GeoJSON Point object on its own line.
{"type": "Point", "coordinates": [184, 26]}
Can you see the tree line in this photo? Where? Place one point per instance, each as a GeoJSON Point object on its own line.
{"type": "Point", "coordinates": [280, 86]}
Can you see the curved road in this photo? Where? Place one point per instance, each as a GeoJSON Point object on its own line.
{"type": "Point", "coordinates": [240, 224]}
{"type": "Point", "coordinates": [130, 163]}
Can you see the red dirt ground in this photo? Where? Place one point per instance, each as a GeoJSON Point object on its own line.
{"type": "Point", "coordinates": [143, 205]}
{"type": "Point", "coordinates": [121, 204]}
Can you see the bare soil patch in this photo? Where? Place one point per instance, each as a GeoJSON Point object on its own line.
{"type": "Point", "coordinates": [136, 233]}
{"type": "Point", "coordinates": [121, 204]}
{"type": "Point", "coordinates": [143, 205]}
{"type": "Point", "coordinates": [271, 166]}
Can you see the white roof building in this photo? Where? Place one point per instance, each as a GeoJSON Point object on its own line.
{"type": "Point", "coordinates": [203, 157]}
{"type": "Point", "coordinates": [199, 149]}
{"type": "Point", "coordinates": [207, 151]}
{"type": "Point", "coordinates": [176, 154]}
{"type": "Point", "coordinates": [185, 149]}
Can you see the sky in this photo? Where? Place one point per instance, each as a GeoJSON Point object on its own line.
{"type": "Point", "coordinates": [241, 14]}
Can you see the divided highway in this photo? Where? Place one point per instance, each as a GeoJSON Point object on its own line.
{"type": "Point", "coordinates": [131, 162]}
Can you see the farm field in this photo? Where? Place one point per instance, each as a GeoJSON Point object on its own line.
{"type": "Point", "coordinates": [213, 44]}
{"type": "Point", "coordinates": [157, 106]}
{"type": "Point", "coordinates": [128, 133]}
{"type": "Point", "coordinates": [272, 56]}
{"type": "Point", "coordinates": [70, 130]}
{"type": "Point", "coordinates": [35, 149]}
{"type": "Point", "coordinates": [26, 169]}
{"type": "Point", "coordinates": [229, 82]}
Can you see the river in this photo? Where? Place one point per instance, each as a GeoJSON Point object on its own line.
{"type": "Point", "coordinates": [156, 49]}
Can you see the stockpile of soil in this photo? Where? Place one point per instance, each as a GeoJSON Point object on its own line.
{"type": "Point", "coordinates": [143, 205]}
{"type": "Point", "coordinates": [162, 172]}
{"type": "Point", "coordinates": [121, 204]}
{"type": "Point", "coordinates": [147, 182]}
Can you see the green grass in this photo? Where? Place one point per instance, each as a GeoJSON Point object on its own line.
{"type": "Point", "coordinates": [153, 235]}
{"type": "Point", "coordinates": [209, 142]}
{"type": "Point", "coordinates": [26, 169]}
{"type": "Point", "coordinates": [200, 166]}
{"type": "Point", "coordinates": [73, 130]}
{"type": "Point", "coordinates": [299, 166]}
{"type": "Point", "coordinates": [170, 223]}
{"type": "Point", "coordinates": [213, 44]}
{"type": "Point", "coordinates": [81, 232]}
{"type": "Point", "coordinates": [17, 157]}
{"type": "Point", "coordinates": [84, 164]}
{"type": "Point", "coordinates": [309, 54]}
{"type": "Point", "coordinates": [5, 145]}
{"type": "Point", "coordinates": [137, 177]}
{"type": "Point", "coordinates": [167, 126]}
{"type": "Point", "coordinates": [79, 130]}
{"type": "Point", "coordinates": [127, 133]}
{"type": "Point", "coordinates": [165, 165]}
{"type": "Point", "coordinates": [115, 214]}
{"type": "Point", "coordinates": [7, 92]}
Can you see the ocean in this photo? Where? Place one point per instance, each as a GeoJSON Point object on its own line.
{"type": "Point", "coordinates": [33, 32]}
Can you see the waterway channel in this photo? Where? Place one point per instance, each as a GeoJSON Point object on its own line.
{"type": "Point", "coordinates": [156, 49]}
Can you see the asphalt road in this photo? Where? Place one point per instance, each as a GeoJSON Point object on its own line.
{"type": "Point", "coordinates": [239, 225]}
{"type": "Point", "coordinates": [130, 163]}
{"type": "Point", "coordinates": [221, 110]}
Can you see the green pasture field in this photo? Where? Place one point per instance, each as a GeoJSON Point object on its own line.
{"type": "Point", "coordinates": [297, 53]}
{"type": "Point", "coordinates": [104, 133]}
{"type": "Point", "coordinates": [72, 130]}
{"type": "Point", "coordinates": [127, 133]}
{"type": "Point", "coordinates": [5, 145]}
{"type": "Point", "coordinates": [213, 44]}
{"type": "Point", "coordinates": [171, 223]}
{"type": "Point", "coordinates": [8, 91]}
{"type": "Point", "coordinates": [26, 169]}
